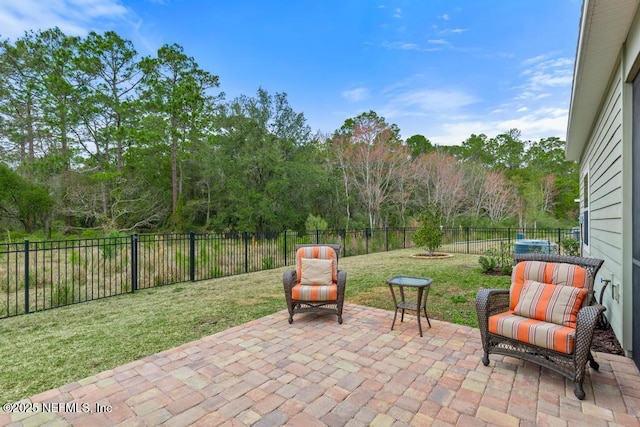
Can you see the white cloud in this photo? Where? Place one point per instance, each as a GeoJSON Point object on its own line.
{"type": "Point", "coordinates": [73, 17]}
{"type": "Point", "coordinates": [534, 60]}
{"type": "Point", "coordinates": [435, 100]}
{"type": "Point", "coordinates": [402, 45]}
{"type": "Point", "coordinates": [437, 41]}
{"type": "Point", "coordinates": [534, 125]}
{"type": "Point", "coordinates": [397, 13]}
{"type": "Point", "coordinates": [444, 17]}
{"type": "Point", "coordinates": [543, 73]}
{"type": "Point", "coordinates": [356, 95]}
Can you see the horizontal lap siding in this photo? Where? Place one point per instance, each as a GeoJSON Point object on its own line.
{"type": "Point", "coordinates": [604, 162]}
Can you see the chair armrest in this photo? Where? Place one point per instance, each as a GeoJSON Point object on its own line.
{"type": "Point", "coordinates": [488, 303]}
{"type": "Point", "coordinates": [586, 322]}
{"type": "Point", "coordinates": [289, 278]}
{"type": "Point", "coordinates": [492, 301]}
{"type": "Point", "coordinates": [342, 281]}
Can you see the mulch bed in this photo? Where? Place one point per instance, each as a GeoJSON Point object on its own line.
{"type": "Point", "coordinates": [605, 341]}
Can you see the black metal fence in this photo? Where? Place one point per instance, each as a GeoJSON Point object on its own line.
{"type": "Point", "coordinates": [36, 276]}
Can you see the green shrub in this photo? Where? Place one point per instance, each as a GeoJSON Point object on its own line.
{"type": "Point", "coordinates": [507, 269]}
{"type": "Point", "coordinates": [489, 260]}
{"type": "Point", "coordinates": [429, 234]}
{"type": "Point", "coordinates": [497, 260]}
{"type": "Point", "coordinates": [570, 246]}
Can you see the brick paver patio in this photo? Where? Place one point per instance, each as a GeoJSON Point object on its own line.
{"type": "Point", "coordinates": [319, 373]}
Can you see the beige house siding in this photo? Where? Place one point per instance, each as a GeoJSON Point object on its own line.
{"type": "Point", "coordinates": [603, 163]}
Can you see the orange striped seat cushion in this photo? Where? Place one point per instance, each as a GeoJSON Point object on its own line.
{"type": "Point", "coordinates": [315, 292]}
{"type": "Point", "coordinates": [536, 332]}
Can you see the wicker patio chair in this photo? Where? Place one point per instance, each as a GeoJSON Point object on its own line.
{"type": "Point", "coordinates": [496, 305]}
{"type": "Point", "coordinates": [316, 285]}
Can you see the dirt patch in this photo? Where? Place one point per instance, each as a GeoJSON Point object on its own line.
{"type": "Point", "coordinates": [495, 273]}
{"type": "Point", "coordinates": [435, 255]}
{"type": "Point", "coordinates": [605, 341]}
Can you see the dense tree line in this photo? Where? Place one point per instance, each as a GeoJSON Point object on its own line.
{"type": "Point", "coordinates": [94, 136]}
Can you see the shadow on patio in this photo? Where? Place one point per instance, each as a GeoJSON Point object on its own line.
{"type": "Point", "coordinates": [317, 372]}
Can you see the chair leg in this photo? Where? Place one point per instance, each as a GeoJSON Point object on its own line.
{"type": "Point", "coordinates": [485, 359]}
{"type": "Point", "coordinates": [394, 319]}
{"type": "Point", "coordinates": [592, 362]}
{"type": "Point", "coordinates": [579, 391]}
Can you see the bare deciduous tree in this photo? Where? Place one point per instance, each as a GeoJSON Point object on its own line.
{"type": "Point", "coordinates": [498, 196]}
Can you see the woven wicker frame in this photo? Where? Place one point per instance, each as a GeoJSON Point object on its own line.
{"type": "Point", "coordinates": [290, 279]}
{"type": "Point", "coordinates": [572, 366]}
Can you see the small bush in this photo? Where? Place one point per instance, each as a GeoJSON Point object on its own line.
{"type": "Point", "coordinates": [493, 260]}
{"type": "Point", "coordinates": [489, 261]}
{"type": "Point", "coordinates": [507, 270]}
{"type": "Point", "coordinates": [429, 234]}
{"type": "Point", "coordinates": [570, 246]}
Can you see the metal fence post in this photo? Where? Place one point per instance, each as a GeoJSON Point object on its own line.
{"type": "Point", "coordinates": [285, 247]}
{"type": "Point", "coordinates": [246, 251]}
{"type": "Point", "coordinates": [386, 238]}
{"type": "Point", "coordinates": [192, 256]}
{"type": "Point", "coordinates": [366, 238]}
{"type": "Point", "coordinates": [26, 277]}
{"type": "Point", "coordinates": [468, 242]}
{"type": "Point", "coordinates": [134, 263]}
{"type": "Point", "coordinates": [344, 240]}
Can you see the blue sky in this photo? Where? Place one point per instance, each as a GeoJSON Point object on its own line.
{"type": "Point", "coordinates": [440, 68]}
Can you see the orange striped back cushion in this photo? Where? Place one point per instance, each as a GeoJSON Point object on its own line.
{"type": "Point", "coordinates": [551, 303]}
{"type": "Point", "coordinates": [319, 252]}
{"type": "Point", "coordinates": [561, 274]}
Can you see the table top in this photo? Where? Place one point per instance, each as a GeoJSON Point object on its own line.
{"type": "Point", "coordinates": [409, 281]}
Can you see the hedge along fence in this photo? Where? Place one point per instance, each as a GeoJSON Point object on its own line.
{"type": "Point", "coordinates": [36, 276]}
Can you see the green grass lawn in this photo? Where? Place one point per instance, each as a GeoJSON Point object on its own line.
{"type": "Point", "coordinates": [48, 349]}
